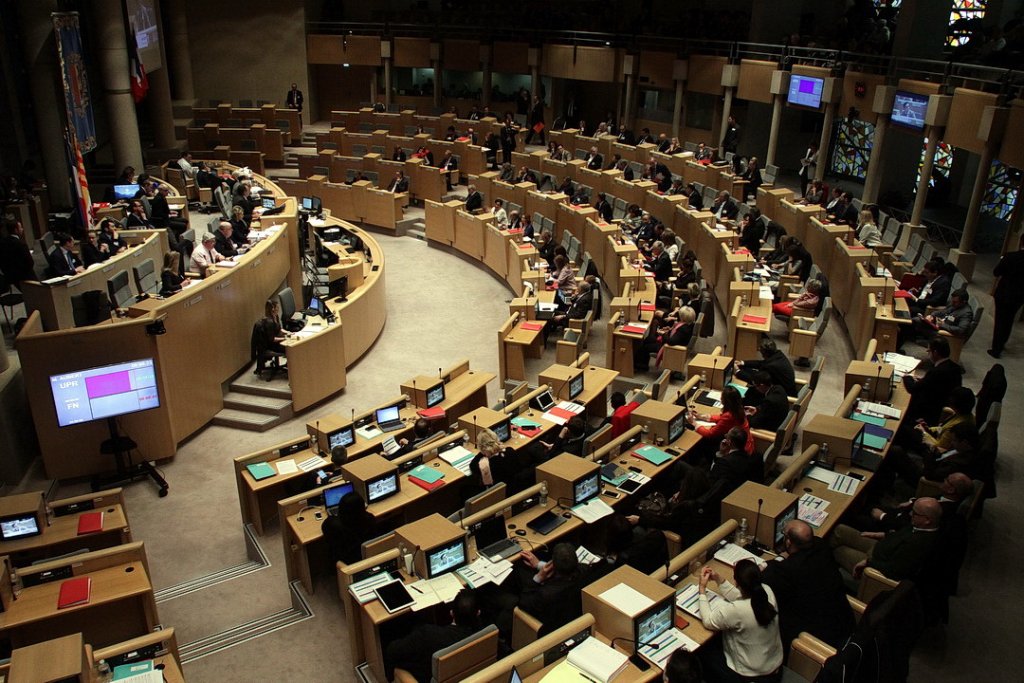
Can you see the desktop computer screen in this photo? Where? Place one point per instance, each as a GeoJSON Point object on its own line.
{"type": "Point", "coordinates": [650, 624]}
{"type": "Point", "coordinates": [333, 495]}
{"type": "Point", "coordinates": [268, 202]}
{"type": "Point", "coordinates": [21, 526]}
{"type": "Point", "coordinates": [125, 191]}
{"type": "Point", "coordinates": [586, 488]}
{"type": "Point", "coordinates": [576, 386]}
{"type": "Point", "coordinates": [446, 558]}
{"type": "Point", "coordinates": [341, 437]}
{"type": "Point", "coordinates": [676, 427]}
{"type": "Point", "coordinates": [435, 395]}
{"type": "Point", "coordinates": [382, 487]}
{"type": "Point", "coordinates": [503, 430]}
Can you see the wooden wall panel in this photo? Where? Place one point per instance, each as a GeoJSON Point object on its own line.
{"type": "Point", "coordinates": [356, 50]}
{"type": "Point", "coordinates": [705, 74]}
{"type": "Point", "coordinates": [1012, 152]}
{"type": "Point", "coordinates": [919, 87]}
{"type": "Point", "coordinates": [656, 70]}
{"type": "Point", "coordinates": [756, 80]}
{"type": "Point", "coordinates": [591, 63]}
{"type": "Point", "coordinates": [964, 116]}
{"type": "Point", "coordinates": [510, 58]}
{"type": "Point", "coordinates": [323, 49]}
{"type": "Point", "coordinates": [461, 55]}
{"type": "Point", "coordinates": [412, 52]}
{"type": "Point", "coordinates": [850, 99]}
{"type": "Point", "coordinates": [815, 71]}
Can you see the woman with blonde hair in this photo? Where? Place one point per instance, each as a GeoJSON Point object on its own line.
{"type": "Point", "coordinates": [171, 281]}
{"type": "Point", "coordinates": [867, 230]}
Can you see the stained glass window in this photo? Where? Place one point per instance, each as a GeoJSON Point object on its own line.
{"type": "Point", "coordinates": [943, 159]}
{"type": "Point", "coordinates": [1001, 191]}
{"type": "Point", "coordinates": [964, 19]}
{"type": "Point", "coordinates": [853, 148]}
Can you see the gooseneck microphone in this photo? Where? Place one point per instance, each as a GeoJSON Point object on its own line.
{"type": "Point", "coordinates": [753, 546]}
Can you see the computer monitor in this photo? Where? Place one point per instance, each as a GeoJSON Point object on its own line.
{"type": "Point", "coordinates": [514, 676]}
{"type": "Point", "coordinates": [489, 531]}
{"type": "Point", "coordinates": [19, 526]}
{"type": "Point", "coordinates": [125, 191]}
{"type": "Point", "coordinates": [446, 558]}
{"type": "Point", "coordinates": [387, 414]}
{"type": "Point", "coordinates": [338, 288]}
{"type": "Point", "coordinates": [381, 487]}
{"type": "Point", "coordinates": [503, 430]}
{"type": "Point", "coordinates": [805, 91]}
{"type": "Point", "coordinates": [346, 436]}
{"type": "Point", "coordinates": [576, 386]}
{"type": "Point", "coordinates": [727, 373]}
{"type": "Point", "coordinates": [586, 488]}
{"type": "Point", "coordinates": [268, 202]}
{"type": "Point", "coordinates": [106, 391]}
{"type": "Point", "coordinates": [909, 110]}
{"type": "Point", "coordinates": [334, 494]}
{"type": "Point", "coordinates": [787, 515]}
{"type": "Point", "coordinates": [316, 305]}
{"type": "Point", "coordinates": [311, 204]}
{"type": "Point", "coordinates": [435, 394]}
{"type": "Point", "coordinates": [543, 401]}
{"type": "Point", "coordinates": [652, 622]}
{"type": "Point", "coordinates": [676, 427]}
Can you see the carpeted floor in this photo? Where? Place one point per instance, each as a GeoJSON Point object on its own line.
{"type": "Point", "coordinates": [442, 308]}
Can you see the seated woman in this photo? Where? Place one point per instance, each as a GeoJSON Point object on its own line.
{"type": "Point", "coordinates": [867, 230]}
{"type": "Point", "coordinates": [632, 220]}
{"type": "Point", "coordinates": [797, 264]}
{"type": "Point", "coordinates": [171, 282]}
{"type": "Point", "coordinates": [563, 276]}
{"type": "Point", "coordinates": [677, 333]}
{"type": "Point", "coordinates": [271, 325]}
{"type": "Point", "coordinates": [239, 226]}
{"type": "Point", "coordinates": [751, 648]}
{"type": "Point", "coordinates": [683, 514]}
{"type": "Point", "coordinates": [346, 530]}
{"type": "Point", "coordinates": [777, 256]}
{"type": "Point", "coordinates": [493, 463]}
{"type": "Point", "coordinates": [806, 303]}
{"type": "Point", "coordinates": [732, 415]}
{"type": "Point", "coordinates": [528, 230]}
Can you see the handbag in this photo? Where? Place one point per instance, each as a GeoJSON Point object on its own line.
{"type": "Point", "coordinates": [653, 504]}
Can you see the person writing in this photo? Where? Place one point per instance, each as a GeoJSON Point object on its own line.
{"type": "Point", "coordinates": [732, 415]}
{"type": "Point", "coordinates": [748, 621]}
{"type": "Point", "coordinates": [171, 281]}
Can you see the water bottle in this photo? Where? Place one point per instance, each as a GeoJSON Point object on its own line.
{"type": "Point", "coordinates": [823, 453]}
{"type": "Point", "coordinates": [741, 533]}
{"type": "Point", "coordinates": [543, 493]}
{"type": "Point", "coordinates": [865, 390]}
{"type": "Point", "coordinates": [703, 378]}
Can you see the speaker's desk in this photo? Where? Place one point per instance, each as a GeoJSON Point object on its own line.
{"type": "Point", "coordinates": [522, 341]}
{"type": "Point", "coordinates": [752, 323]}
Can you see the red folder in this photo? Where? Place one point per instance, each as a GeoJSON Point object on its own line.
{"type": "Point", "coordinates": [90, 523]}
{"type": "Point", "coordinates": [533, 327]}
{"type": "Point", "coordinates": [424, 485]}
{"type": "Point", "coordinates": [435, 413]}
{"type": "Point", "coordinates": [528, 432]}
{"type": "Point", "coordinates": [901, 294]}
{"type": "Point", "coordinates": [646, 307]}
{"type": "Point", "coordinates": [74, 592]}
{"type": "Point", "coordinates": [754, 319]}
{"type": "Point", "coordinates": [562, 413]}
{"type": "Point", "coordinates": [538, 127]}
{"type": "Point", "coordinates": [633, 329]}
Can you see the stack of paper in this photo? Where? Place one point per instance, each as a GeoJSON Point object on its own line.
{"type": "Point", "coordinates": [901, 363]}
{"type": "Point", "coordinates": [730, 554]}
{"type": "Point", "coordinates": [586, 557]}
{"type": "Point", "coordinates": [429, 592]}
{"type": "Point", "coordinates": [362, 591]}
{"type": "Point", "coordinates": [287, 467]}
{"type": "Point", "coordinates": [688, 599]}
{"type": "Point", "coordinates": [879, 409]}
{"type": "Point", "coordinates": [822, 475]}
{"type": "Point", "coordinates": [597, 661]}
{"type": "Point", "coordinates": [563, 412]}
{"type": "Point", "coordinates": [844, 484]}
{"type": "Point", "coordinates": [369, 431]}
{"type": "Point", "coordinates": [593, 510]}
{"type": "Point", "coordinates": [811, 509]}
{"type": "Point", "coordinates": [459, 458]}
{"type": "Point", "coordinates": [626, 599]}
{"type": "Point", "coordinates": [483, 571]}
{"type": "Point", "coordinates": [314, 463]}
{"type": "Point", "coordinates": [662, 647]}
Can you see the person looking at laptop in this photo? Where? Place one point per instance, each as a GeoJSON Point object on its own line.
{"type": "Point", "coordinates": [347, 528]}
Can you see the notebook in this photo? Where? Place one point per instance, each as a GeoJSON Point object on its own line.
{"type": "Point", "coordinates": [261, 470]}
{"type": "Point", "coordinates": [597, 661]}
{"type": "Point", "coordinates": [74, 592]}
{"type": "Point", "coordinates": [90, 523]}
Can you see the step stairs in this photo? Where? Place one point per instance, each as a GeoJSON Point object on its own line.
{"type": "Point", "coordinates": [412, 227]}
{"type": "Point", "coordinates": [308, 138]}
{"type": "Point", "coordinates": [256, 405]}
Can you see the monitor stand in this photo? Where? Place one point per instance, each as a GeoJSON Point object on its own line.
{"type": "Point", "coordinates": [120, 447]}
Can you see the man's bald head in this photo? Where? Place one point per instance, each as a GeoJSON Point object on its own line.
{"type": "Point", "coordinates": [926, 513]}
{"type": "Point", "coordinates": [799, 533]}
{"type": "Point", "coordinates": [957, 486]}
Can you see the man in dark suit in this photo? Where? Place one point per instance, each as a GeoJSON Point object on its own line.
{"type": "Point", "coordinates": [294, 99]}
{"type": "Point", "coordinates": [899, 555]}
{"type": "Point", "coordinates": [774, 362]}
{"type": "Point", "coordinates": [767, 402]}
{"type": "Point", "coordinates": [956, 487]}
{"type": "Point", "coordinates": [658, 172]}
{"type": "Point", "coordinates": [645, 137]}
{"type": "Point", "coordinates": [62, 261]}
{"type": "Point", "coordinates": [934, 292]}
{"type": "Point", "coordinates": [474, 200]}
{"type": "Point", "coordinates": [725, 207]}
{"type": "Point", "coordinates": [1008, 296]}
{"type": "Point", "coordinates": [604, 208]}
{"type": "Point", "coordinates": [693, 197]}
{"type": "Point", "coordinates": [552, 595]}
{"type": "Point", "coordinates": [536, 121]}
{"type": "Point", "coordinates": [414, 651]}
{"type": "Point", "coordinates": [809, 588]}
{"type": "Point", "coordinates": [731, 137]}
{"type": "Point", "coordinates": [399, 183]}
{"type": "Point", "coordinates": [661, 262]}
{"type": "Point", "coordinates": [752, 231]}
{"type": "Point", "coordinates": [731, 465]}
{"type": "Point", "coordinates": [15, 257]}
{"type": "Point", "coordinates": [579, 306]}
{"type": "Point", "coordinates": [594, 160]}
{"type": "Point", "coordinates": [223, 243]}
{"type": "Point", "coordinates": [931, 393]}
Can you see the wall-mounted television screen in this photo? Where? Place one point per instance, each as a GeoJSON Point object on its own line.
{"type": "Point", "coordinates": [908, 110]}
{"type": "Point", "coordinates": [105, 391]}
{"type": "Point", "coordinates": [805, 91]}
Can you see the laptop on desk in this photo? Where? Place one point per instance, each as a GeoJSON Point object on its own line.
{"type": "Point", "coordinates": [492, 541]}
{"type": "Point", "coordinates": [333, 496]}
{"type": "Point", "coordinates": [388, 419]}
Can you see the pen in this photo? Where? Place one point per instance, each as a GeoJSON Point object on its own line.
{"type": "Point", "coordinates": [416, 589]}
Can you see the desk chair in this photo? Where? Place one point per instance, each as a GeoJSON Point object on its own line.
{"type": "Point", "coordinates": [457, 661]}
{"type": "Point", "coordinates": [9, 298]}
{"type": "Point", "coordinates": [90, 307]}
{"type": "Point", "coordinates": [120, 292]}
{"type": "Point", "coordinates": [956, 344]}
{"type": "Point", "coordinates": [803, 338]}
{"type": "Point", "coordinates": [481, 501]}
{"type": "Point", "coordinates": [525, 628]}
{"type": "Point", "coordinates": [145, 277]}
{"type": "Point", "coordinates": [675, 358]}
{"type": "Point", "coordinates": [262, 354]}
{"type": "Point", "coordinates": [290, 316]}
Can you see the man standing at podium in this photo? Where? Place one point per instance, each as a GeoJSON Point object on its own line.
{"type": "Point", "coordinates": [294, 100]}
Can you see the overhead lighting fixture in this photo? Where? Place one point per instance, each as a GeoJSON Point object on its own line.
{"type": "Point", "coordinates": [345, 65]}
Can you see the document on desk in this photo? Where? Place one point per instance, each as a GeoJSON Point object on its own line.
{"type": "Point", "coordinates": [593, 510]}
{"type": "Point", "coordinates": [879, 409]}
{"type": "Point", "coordinates": [483, 571]}
{"type": "Point", "coordinates": [844, 484]}
{"type": "Point", "coordinates": [731, 554]}
{"type": "Point", "coordinates": [563, 412]}
{"type": "Point", "coordinates": [287, 467]}
{"type": "Point", "coordinates": [903, 364]}
{"type": "Point", "coordinates": [584, 556]}
{"type": "Point", "coordinates": [653, 455]}
{"type": "Point", "coordinates": [227, 263]}
{"type": "Point", "coordinates": [822, 475]}
{"type": "Point", "coordinates": [662, 647]}
{"type": "Point", "coordinates": [368, 432]}
{"type": "Point", "coordinates": [362, 591]}
{"type": "Point", "coordinates": [314, 463]}
{"type": "Point", "coordinates": [459, 458]}
{"type": "Point", "coordinates": [765, 292]}
{"type": "Point", "coordinates": [154, 676]}
{"type": "Point", "coordinates": [597, 661]}
{"type": "Point", "coordinates": [626, 599]}
{"type": "Point", "coordinates": [428, 592]}
{"type": "Point", "coordinates": [688, 599]}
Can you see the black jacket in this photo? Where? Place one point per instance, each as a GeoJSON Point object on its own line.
{"type": "Point", "coordinates": [555, 602]}
{"type": "Point", "coordinates": [414, 651]}
{"type": "Point", "coordinates": [778, 366]}
{"type": "Point", "coordinates": [59, 262]}
{"type": "Point", "coordinates": [929, 394]}
{"type": "Point", "coordinates": [16, 260]}
{"type": "Point", "coordinates": [772, 409]}
{"type": "Point", "coordinates": [474, 201]}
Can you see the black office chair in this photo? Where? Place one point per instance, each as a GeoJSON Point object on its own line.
{"type": "Point", "coordinates": [119, 290]}
{"type": "Point", "coordinates": [291, 318]}
{"type": "Point", "coordinates": [90, 307]}
{"type": "Point", "coordinates": [145, 277]}
{"type": "Point", "coordinates": [261, 353]}
{"type": "Point", "coordinates": [9, 298]}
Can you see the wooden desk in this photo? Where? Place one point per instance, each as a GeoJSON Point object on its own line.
{"type": "Point", "coordinates": [61, 537]}
{"type": "Point", "coordinates": [521, 343]}
{"type": "Point", "coordinates": [887, 324]}
{"type": "Point", "coordinates": [748, 334]}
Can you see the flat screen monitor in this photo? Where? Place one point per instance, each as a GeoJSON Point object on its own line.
{"type": "Point", "coordinates": [105, 391]}
{"type": "Point", "coordinates": [19, 526]}
{"type": "Point", "coordinates": [334, 494]}
{"type": "Point", "coordinates": [544, 401]}
{"type": "Point", "coordinates": [446, 558]}
{"type": "Point", "coordinates": [652, 622]}
{"type": "Point", "coordinates": [805, 91]}
{"type": "Point", "coordinates": [435, 394]}
{"type": "Point", "coordinates": [338, 288]}
{"type": "Point", "coordinates": [908, 110]}
{"type": "Point", "coordinates": [676, 427]}
{"type": "Point", "coordinates": [514, 677]}
{"type": "Point", "coordinates": [787, 515]}
{"type": "Point", "coordinates": [503, 430]}
{"type": "Point", "coordinates": [576, 386]}
{"type": "Point", "coordinates": [126, 191]}
{"type": "Point", "coordinates": [586, 488]}
{"type": "Point", "coordinates": [268, 202]}
{"type": "Point", "coordinates": [727, 373]}
{"type": "Point", "coordinates": [388, 414]}
{"type": "Point", "coordinates": [381, 487]}
{"type": "Point", "coordinates": [345, 436]}
{"type": "Point", "coordinates": [311, 204]}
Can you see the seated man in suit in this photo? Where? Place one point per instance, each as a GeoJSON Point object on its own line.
{"type": "Point", "coordinates": [931, 393]}
{"type": "Point", "coordinates": [775, 362]}
{"type": "Point", "coordinates": [731, 465]}
{"type": "Point", "coordinates": [645, 137]}
{"type": "Point", "coordinates": [62, 261]}
{"type": "Point", "coordinates": [474, 200]}
{"type": "Point", "coordinates": [703, 154]}
{"type": "Point", "coordinates": [955, 318]}
{"type": "Point", "coordinates": [526, 176]}
{"type": "Point", "coordinates": [661, 263]}
{"type": "Point", "coordinates": [693, 197]}
{"type": "Point", "coordinates": [604, 207]}
{"type": "Point", "coordinates": [766, 402]}
{"type": "Point", "coordinates": [399, 183]}
{"type": "Point", "coordinates": [933, 293]}
{"type": "Point", "coordinates": [956, 488]}
{"type": "Point", "coordinates": [594, 160]}
{"type": "Point", "coordinates": [579, 305]}
{"type": "Point", "coordinates": [205, 255]}
{"type": "Point", "coordinates": [414, 651]}
{"type": "Point", "coordinates": [644, 552]}
{"type": "Point", "coordinates": [809, 588]}
{"type": "Point", "coordinates": [901, 554]}
{"type": "Point", "coordinates": [223, 242]}
{"type": "Point", "coordinates": [552, 593]}
{"type": "Point", "coordinates": [725, 207]}
{"type": "Point", "coordinates": [752, 231]}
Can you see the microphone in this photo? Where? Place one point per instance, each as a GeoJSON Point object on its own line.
{"type": "Point", "coordinates": [439, 373]}
{"type": "Point", "coordinates": [754, 546]}
{"type": "Point", "coordinates": [462, 512]}
{"type": "Point", "coordinates": [316, 438]}
{"type": "Point", "coordinates": [353, 415]}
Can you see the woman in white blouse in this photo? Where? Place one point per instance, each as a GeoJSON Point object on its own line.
{"type": "Point", "coordinates": [748, 620]}
{"type": "Point", "coordinates": [867, 232]}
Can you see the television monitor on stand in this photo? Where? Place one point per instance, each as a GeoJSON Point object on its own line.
{"type": "Point", "coordinates": [435, 394]}
{"type": "Point", "coordinates": [805, 91]}
{"type": "Point", "coordinates": [382, 487]}
{"type": "Point", "coordinates": [576, 386]}
{"type": "Point", "coordinates": [586, 488]}
{"type": "Point", "coordinates": [503, 430]}
{"type": "Point", "coordinates": [650, 624]}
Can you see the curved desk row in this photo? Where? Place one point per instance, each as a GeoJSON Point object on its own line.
{"type": "Point", "coordinates": [207, 341]}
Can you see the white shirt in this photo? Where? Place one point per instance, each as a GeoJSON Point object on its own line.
{"type": "Point", "coordinates": [188, 168]}
{"type": "Point", "coordinates": [750, 649]}
{"type": "Point", "coordinates": [203, 257]}
{"type": "Point", "coordinates": [501, 218]}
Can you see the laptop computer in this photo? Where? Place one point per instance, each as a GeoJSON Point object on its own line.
{"type": "Point", "coordinates": [333, 496]}
{"type": "Point", "coordinates": [545, 523]}
{"type": "Point", "coordinates": [388, 419]}
{"type": "Point", "coordinates": [492, 541]}
{"type": "Point", "coordinates": [546, 311]}
{"type": "Point", "coordinates": [314, 307]}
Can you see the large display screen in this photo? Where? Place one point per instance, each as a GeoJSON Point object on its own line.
{"type": "Point", "coordinates": [908, 109]}
{"type": "Point", "coordinates": [142, 18]}
{"type": "Point", "coordinates": [106, 391]}
{"type": "Point", "coordinates": [805, 91]}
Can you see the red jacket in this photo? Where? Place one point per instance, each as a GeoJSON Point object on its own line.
{"type": "Point", "coordinates": [723, 423]}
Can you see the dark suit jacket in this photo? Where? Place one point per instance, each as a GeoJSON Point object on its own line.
{"type": "Point", "coordinates": [555, 602]}
{"type": "Point", "coordinates": [604, 207]}
{"type": "Point", "coordinates": [772, 410]}
{"type": "Point", "coordinates": [16, 260]}
{"type": "Point", "coordinates": [402, 185]}
{"type": "Point", "coordinates": [929, 394]}
{"type": "Point", "coordinates": [901, 554]}
{"type": "Point", "coordinates": [730, 210]}
{"type": "Point", "coordinates": [594, 162]}
{"type": "Point", "coordinates": [695, 200]}
{"type": "Point", "coordinates": [450, 164]}
{"type": "Point", "coordinates": [474, 201]}
{"type": "Point", "coordinates": [778, 366]}
{"type": "Point", "coordinates": [414, 652]}
{"type": "Point", "coordinates": [224, 245]}
{"type": "Point", "coordinates": [662, 267]}
{"type": "Point", "coordinates": [59, 262]}
{"type": "Point", "coordinates": [811, 595]}
{"type": "Point", "coordinates": [581, 304]}
{"type": "Point", "coordinates": [169, 283]}
{"type": "Point", "coordinates": [752, 235]}
{"type": "Point", "coordinates": [936, 469]}
{"type": "Point", "coordinates": [731, 470]}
